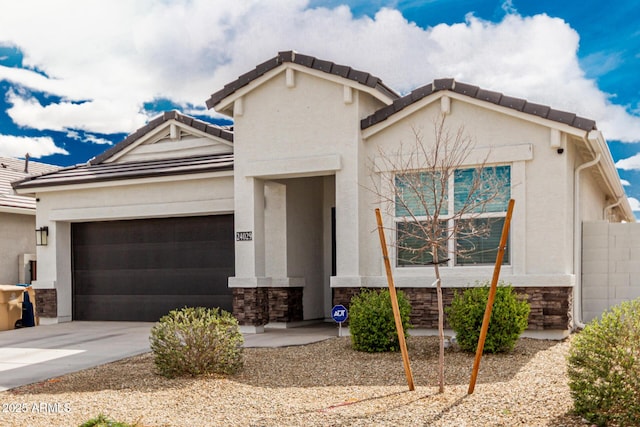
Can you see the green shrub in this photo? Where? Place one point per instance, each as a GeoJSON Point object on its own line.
{"type": "Point", "coordinates": [102, 421]}
{"type": "Point", "coordinates": [604, 367]}
{"type": "Point", "coordinates": [197, 341]}
{"type": "Point", "coordinates": [509, 318]}
{"type": "Point", "coordinates": [371, 322]}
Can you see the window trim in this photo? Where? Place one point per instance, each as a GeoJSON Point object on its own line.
{"type": "Point", "coordinates": [452, 241]}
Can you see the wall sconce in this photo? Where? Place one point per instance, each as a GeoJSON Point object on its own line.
{"type": "Point", "coordinates": [42, 236]}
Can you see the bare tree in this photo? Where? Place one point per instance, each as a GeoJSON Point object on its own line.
{"type": "Point", "coordinates": [417, 182]}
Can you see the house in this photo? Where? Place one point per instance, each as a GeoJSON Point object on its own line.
{"type": "Point", "coordinates": [17, 222]}
{"type": "Point", "coordinates": [274, 220]}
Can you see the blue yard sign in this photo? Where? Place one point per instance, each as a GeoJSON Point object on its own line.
{"type": "Point", "coordinates": [339, 314]}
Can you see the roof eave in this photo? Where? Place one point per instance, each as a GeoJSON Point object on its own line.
{"type": "Point", "coordinates": [141, 179]}
{"type": "Point", "coordinates": [412, 107]}
{"type": "Point", "coordinates": [223, 99]}
{"type": "Point", "coordinates": [18, 210]}
{"type": "Point", "coordinates": [203, 128]}
{"type": "Point", "coordinates": [598, 144]}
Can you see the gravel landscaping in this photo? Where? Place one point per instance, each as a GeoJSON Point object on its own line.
{"type": "Point", "coordinates": [322, 384]}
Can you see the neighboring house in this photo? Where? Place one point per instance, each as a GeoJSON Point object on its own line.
{"type": "Point", "coordinates": [149, 225]}
{"type": "Point", "coordinates": [17, 221]}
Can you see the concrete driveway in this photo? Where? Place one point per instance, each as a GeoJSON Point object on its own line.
{"type": "Point", "coordinates": [30, 355]}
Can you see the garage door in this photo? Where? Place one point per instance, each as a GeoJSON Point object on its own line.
{"type": "Point", "coordinates": [139, 270]}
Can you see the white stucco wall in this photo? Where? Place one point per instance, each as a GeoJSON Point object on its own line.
{"type": "Point", "coordinates": [305, 243]}
{"type": "Point", "coordinates": [176, 196]}
{"type": "Point", "coordinates": [308, 129]}
{"type": "Point", "coordinates": [541, 235]}
{"type": "Point", "coordinates": [17, 237]}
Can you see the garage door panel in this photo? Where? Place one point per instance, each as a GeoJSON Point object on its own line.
{"type": "Point", "coordinates": [150, 307]}
{"type": "Point", "coordinates": [115, 282]}
{"type": "Point", "coordinates": [161, 262]}
{"type": "Point", "coordinates": [146, 255]}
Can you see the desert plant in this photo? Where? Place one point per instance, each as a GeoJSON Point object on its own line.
{"type": "Point", "coordinates": [509, 318]}
{"type": "Point", "coordinates": [195, 341]}
{"type": "Point", "coordinates": [604, 367]}
{"type": "Point", "coordinates": [371, 322]}
{"type": "Point", "coordinates": [103, 421]}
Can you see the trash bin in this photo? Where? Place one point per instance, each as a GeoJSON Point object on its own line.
{"type": "Point", "coordinates": [10, 306]}
{"type": "Point", "coordinates": [28, 307]}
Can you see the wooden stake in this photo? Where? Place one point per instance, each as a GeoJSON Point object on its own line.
{"type": "Point", "coordinates": [492, 296]}
{"type": "Point", "coordinates": [394, 304]}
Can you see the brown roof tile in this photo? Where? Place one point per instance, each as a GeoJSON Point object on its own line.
{"type": "Point", "coordinates": [209, 128]}
{"type": "Point", "coordinates": [89, 173]}
{"type": "Point", "coordinates": [497, 98]}
{"type": "Point", "coordinates": [329, 67]}
{"type": "Point", "coordinates": [12, 170]}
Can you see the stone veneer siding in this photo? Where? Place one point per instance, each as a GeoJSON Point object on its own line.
{"type": "Point", "coordinates": [46, 303]}
{"type": "Point", "coordinates": [285, 304]}
{"type": "Point", "coordinates": [550, 306]}
{"type": "Point", "coordinates": [259, 306]}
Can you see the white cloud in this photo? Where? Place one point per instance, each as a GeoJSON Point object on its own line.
{"type": "Point", "coordinates": [100, 115]}
{"type": "Point", "coordinates": [635, 203]}
{"type": "Point", "coordinates": [75, 135]}
{"type": "Point", "coordinates": [95, 140]}
{"type": "Point", "coordinates": [625, 183]}
{"type": "Point", "coordinates": [119, 54]}
{"type": "Point", "coordinates": [18, 146]}
{"type": "Point", "coordinates": [630, 163]}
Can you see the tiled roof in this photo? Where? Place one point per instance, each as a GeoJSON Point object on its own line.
{"type": "Point", "coordinates": [218, 131]}
{"type": "Point", "coordinates": [497, 98]}
{"type": "Point", "coordinates": [90, 173]}
{"type": "Point", "coordinates": [329, 67]}
{"type": "Point", "coordinates": [13, 170]}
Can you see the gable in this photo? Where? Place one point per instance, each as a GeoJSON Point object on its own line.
{"type": "Point", "coordinates": [225, 100]}
{"type": "Point", "coordinates": [170, 136]}
{"type": "Point", "coordinates": [170, 141]}
{"type": "Point", "coordinates": [509, 105]}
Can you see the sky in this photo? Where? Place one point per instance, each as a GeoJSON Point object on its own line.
{"type": "Point", "coordinates": [78, 76]}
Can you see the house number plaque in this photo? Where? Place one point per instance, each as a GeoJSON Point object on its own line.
{"type": "Point", "coordinates": [244, 236]}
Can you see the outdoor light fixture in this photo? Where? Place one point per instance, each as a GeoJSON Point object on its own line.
{"type": "Point", "coordinates": [42, 236]}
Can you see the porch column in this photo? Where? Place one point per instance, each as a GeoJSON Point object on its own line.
{"type": "Point", "coordinates": [347, 227]}
{"type": "Point", "coordinates": [249, 284]}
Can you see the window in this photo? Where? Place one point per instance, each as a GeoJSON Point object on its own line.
{"type": "Point", "coordinates": [413, 246]}
{"type": "Point", "coordinates": [470, 236]}
{"type": "Point", "coordinates": [476, 250]}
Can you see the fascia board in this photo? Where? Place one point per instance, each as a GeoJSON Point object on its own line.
{"type": "Point", "coordinates": [343, 81]}
{"type": "Point", "coordinates": [597, 144]}
{"type": "Point", "coordinates": [405, 112]}
{"type": "Point", "coordinates": [126, 182]}
{"type": "Point", "coordinates": [416, 106]}
{"type": "Point", "coordinates": [227, 103]}
{"type": "Point", "coordinates": [160, 130]}
{"type": "Point", "coordinates": [16, 210]}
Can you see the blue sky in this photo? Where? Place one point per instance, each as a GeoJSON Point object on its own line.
{"type": "Point", "coordinates": [76, 77]}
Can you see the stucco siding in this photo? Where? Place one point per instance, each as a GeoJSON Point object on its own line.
{"type": "Point", "coordinates": [304, 240]}
{"type": "Point", "coordinates": [57, 210]}
{"type": "Point", "coordinates": [540, 243]}
{"type": "Point", "coordinates": [17, 237]}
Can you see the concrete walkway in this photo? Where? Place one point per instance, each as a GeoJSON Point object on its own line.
{"type": "Point", "coordinates": [36, 354]}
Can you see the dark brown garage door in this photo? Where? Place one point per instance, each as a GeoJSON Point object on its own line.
{"type": "Point", "coordinates": [139, 270]}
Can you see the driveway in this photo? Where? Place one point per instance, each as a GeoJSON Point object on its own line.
{"type": "Point", "coordinates": [36, 354]}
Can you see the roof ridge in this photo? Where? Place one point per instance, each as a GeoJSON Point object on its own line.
{"type": "Point", "coordinates": [498, 98]}
{"type": "Point", "coordinates": [308, 61]}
